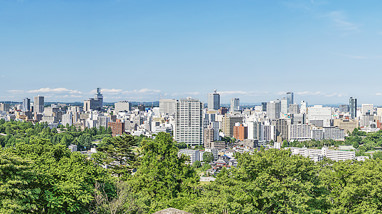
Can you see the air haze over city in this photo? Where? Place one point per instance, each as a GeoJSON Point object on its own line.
{"type": "Point", "coordinates": [323, 51]}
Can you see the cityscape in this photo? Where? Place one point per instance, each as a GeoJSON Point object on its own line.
{"type": "Point", "coordinates": [190, 107]}
{"type": "Point", "coordinates": [270, 125]}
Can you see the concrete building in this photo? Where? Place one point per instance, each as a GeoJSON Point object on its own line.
{"type": "Point", "coordinates": [318, 154]}
{"type": "Point", "coordinates": [38, 104]}
{"type": "Point", "coordinates": [284, 106]}
{"type": "Point", "coordinates": [282, 128]}
{"type": "Point", "coordinates": [213, 101]}
{"type": "Point", "coordinates": [240, 132]}
{"type": "Point", "coordinates": [26, 105]}
{"type": "Point", "coordinates": [347, 125]}
{"type": "Point", "coordinates": [317, 134]}
{"type": "Point", "coordinates": [300, 132]}
{"type": "Point", "coordinates": [353, 107]}
{"type": "Point", "coordinates": [4, 107]}
{"type": "Point", "coordinates": [208, 137]}
{"type": "Point", "coordinates": [255, 131]}
{"type": "Point", "coordinates": [334, 133]}
{"type": "Point", "coordinates": [193, 154]}
{"type": "Point", "coordinates": [290, 98]}
{"type": "Point", "coordinates": [367, 109]}
{"type": "Point", "coordinates": [269, 133]}
{"type": "Point", "coordinates": [235, 105]}
{"type": "Point", "coordinates": [294, 109]}
{"type": "Point", "coordinates": [167, 106]}
{"type": "Point", "coordinates": [122, 106]}
{"type": "Point", "coordinates": [229, 122]}
{"type": "Point", "coordinates": [189, 122]}
{"type": "Point", "coordinates": [274, 109]}
{"type": "Point", "coordinates": [344, 108]}
{"type": "Point", "coordinates": [95, 103]}
{"type": "Point", "coordinates": [117, 128]}
{"type": "Point", "coordinates": [304, 107]}
{"type": "Point", "coordinates": [318, 112]}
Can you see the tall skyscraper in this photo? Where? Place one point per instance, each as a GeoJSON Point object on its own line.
{"type": "Point", "coordinates": [274, 109]}
{"type": "Point", "coordinates": [353, 107]}
{"type": "Point", "coordinates": [38, 104]}
{"type": "Point", "coordinates": [284, 105]}
{"type": "Point", "coordinates": [188, 122]}
{"type": "Point", "coordinates": [213, 101]}
{"type": "Point", "coordinates": [26, 105]}
{"type": "Point", "coordinates": [290, 99]}
{"type": "Point", "coordinates": [95, 103]}
{"type": "Point", "coordinates": [304, 106]}
{"type": "Point", "coordinates": [235, 105]}
{"type": "Point", "coordinates": [99, 97]}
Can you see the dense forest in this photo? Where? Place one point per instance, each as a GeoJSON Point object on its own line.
{"type": "Point", "coordinates": [38, 174]}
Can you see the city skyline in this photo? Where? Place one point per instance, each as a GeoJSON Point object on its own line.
{"type": "Point", "coordinates": [324, 51]}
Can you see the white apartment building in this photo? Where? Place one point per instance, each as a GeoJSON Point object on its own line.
{"type": "Point", "coordinates": [188, 122]}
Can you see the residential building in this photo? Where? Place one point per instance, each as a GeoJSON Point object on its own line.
{"type": "Point", "coordinates": [229, 122]}
{"type": "Point", "coordinates": [188, 122]}
{"type": "Point", "coordinates": [240, 132]}
{"type": "Point", "coordinates": [117, 128]}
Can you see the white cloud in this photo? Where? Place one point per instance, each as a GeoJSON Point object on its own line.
{"type": "Point", "coordinates": [378, 94]}
{"type": "Point", "coordinates": [54, 90]}
{"type": "Point", "coordinates": [108, 91]}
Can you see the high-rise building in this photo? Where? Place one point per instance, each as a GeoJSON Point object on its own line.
{"type": "Point", "coordinates": [290, 98]}
{"type": "Point", "coordinates": [255, 131]}
{"type": "Point", "coordinates": [303, 108]}
{"type": "Point", "coordinates": [240, 132]}
{"type": "Point", "coordinates": [167, 106]}
{"type": "Point", "coordinates": [229, 122]}
{"type": "Point", "coordinates": [264, 106]}
{"type": "Point", "coordinates": [213, 101]}
{"type": "Point", "coordinates": [117, 128]}
{"type": "Point", "coordinates": [122, 106]}
{"type": "Point", "coordinates": [367, 109]}
{"type": "Point", "coordinates": [344, 108]}
{"type": "Point", "coordinates": [235, 105]}
{"type": "Point", "coordinates": [294, 109]}
{"type": "Point", "coordinates": [284, 106]}
{"type": "Point", "coordinates": [38, 104]}
{"type": "Point", "coordinates": [274, 109]}
{"type": "Point", "coordinates": [353, 107]}
{"type": "Point", "coordinates": [188, 122]}
{"type": "Point", "coordinates": [95, 103]}
{"type": "Point", "coordinates": [26, 105]}
{"type": "Point", "coordinates": [4, 106]}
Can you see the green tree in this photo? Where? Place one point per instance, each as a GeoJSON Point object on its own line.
{"type": "Point", "coordinates": [120, 156]}
{"type": "Point", "coordinates": [208, 157]}
{"type": "Point", "coordinates": [163, 179]}
{"type": "Point", "coordinates": [19, 190]}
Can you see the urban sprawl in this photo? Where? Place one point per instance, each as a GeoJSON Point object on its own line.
{"type": "Point", "coordinates": [222, 131]}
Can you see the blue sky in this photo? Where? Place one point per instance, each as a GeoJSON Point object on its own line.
{"type": "Point", "coordinates": [144, 50]}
